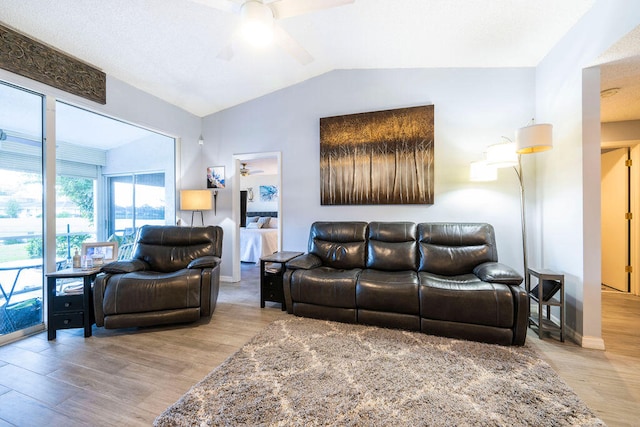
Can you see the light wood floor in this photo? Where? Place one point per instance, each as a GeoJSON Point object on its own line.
{"type": "Point", "coordinates": [128, 377]}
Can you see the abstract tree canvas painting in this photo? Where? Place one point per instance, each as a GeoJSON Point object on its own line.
{"type": "Point", "coordinates": [381, 157]}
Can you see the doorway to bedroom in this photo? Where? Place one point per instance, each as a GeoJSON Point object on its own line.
{"type": "Point", "coordinates": [259, 205]}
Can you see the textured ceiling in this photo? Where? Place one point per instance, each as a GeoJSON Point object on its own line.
{"type": "Point", "coordinates": [620, 68]}
{"type": "Point", "coordinates": [169, 48]}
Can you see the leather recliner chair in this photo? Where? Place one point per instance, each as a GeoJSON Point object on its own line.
{"type": "Point", "coordinates": [173, 277]}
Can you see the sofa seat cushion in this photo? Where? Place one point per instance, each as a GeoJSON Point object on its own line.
{"type": "Point", "coordinates": [325, 286]}
{"type": "Point", "coordinates": [395, 292]}
{"type": "Point", "coordinates": [144, 291]}
{"type": "Point", "coordinates": [466, 299]}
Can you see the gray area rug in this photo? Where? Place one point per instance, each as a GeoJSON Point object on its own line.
{"type": "Point", "coordinates": [304, 372]}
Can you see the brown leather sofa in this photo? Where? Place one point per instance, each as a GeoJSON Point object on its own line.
{"type": "Point", "coordinates": [174, 276]}
{"type": "Point", "coordinates": [438, 278]}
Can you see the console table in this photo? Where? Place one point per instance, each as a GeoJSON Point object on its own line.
{"type": "Point", "coordinates": [548, 293]}
{"type": "Point", "coordinates": [271, 272]}
{"type": "Point", "coordinates": [66, 311]}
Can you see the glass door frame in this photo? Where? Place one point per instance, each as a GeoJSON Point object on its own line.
{"type": "Point", "coordinates": [20, 333]}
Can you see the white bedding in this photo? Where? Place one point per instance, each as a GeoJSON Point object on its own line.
{"type": "Point", "coordinates": [256, 243]}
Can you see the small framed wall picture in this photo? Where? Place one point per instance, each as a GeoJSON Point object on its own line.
{"type": "Point", "coordinates": [215, 177]}
{"type": "Point", "coordinates": [100, 252]}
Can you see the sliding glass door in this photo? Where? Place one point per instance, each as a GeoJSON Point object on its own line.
{"type": "Point", "coordinates": [21, 211]}
{"type": "Point", "coordinates": [135, 200]}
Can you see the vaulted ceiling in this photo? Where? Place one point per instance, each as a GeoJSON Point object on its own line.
{"type": "Point", "coordinates": [170, 48]}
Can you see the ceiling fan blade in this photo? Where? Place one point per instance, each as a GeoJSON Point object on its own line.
{"type": "Point", "coordinates": [223, 5]}
{"type": "Point", "coordinates": [291, 46]}
{"type": "Point", "coordinates": [288, 8]}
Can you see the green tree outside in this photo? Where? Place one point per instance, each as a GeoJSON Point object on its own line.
{"type": "Point", "coordinates": [80, 192]}
{"type": "Point", "coordinates": [13, 208]}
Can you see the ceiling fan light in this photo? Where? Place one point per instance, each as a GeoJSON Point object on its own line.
{"type": "Point", "coordinates": [257, 24]}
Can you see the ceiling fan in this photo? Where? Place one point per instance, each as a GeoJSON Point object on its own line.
{"type": "Point", "coordinates": [244, 170]}
{"type": "Point", "coordinates": [258, 22]}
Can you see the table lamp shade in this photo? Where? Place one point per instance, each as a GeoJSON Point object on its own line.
{"type": "Point", "coordinates": [195, 200]}
{"type": "Point", "coordinates": [534, 138]}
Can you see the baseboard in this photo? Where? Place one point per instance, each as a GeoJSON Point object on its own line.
{"type": "Point", "coordinates": [595, 343]}
{"type": "Point", "coordinates": [226, 279]}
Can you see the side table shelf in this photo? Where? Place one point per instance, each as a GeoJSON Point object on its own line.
{"type": "Point", "coordinates": [271, 273]}
{"type": "Point", "coordinates": [548, 292]}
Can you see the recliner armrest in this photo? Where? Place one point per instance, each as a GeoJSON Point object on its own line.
{"type": "Point", "coordinates": [209, 261]}
{"type": "Point", "coordinates": [128, 266]}
{"type": "Point", "coordinates": [304, 262]}
{"type": "Point", "coordinates": [495, 272]}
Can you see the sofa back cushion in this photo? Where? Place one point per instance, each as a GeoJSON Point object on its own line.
{"type": "Point", "coordinates": [339, 244]}
{"type": "Point", "coordinates": [451, 249]}
{"type": "Point", "coordinates": [171, 248]}
{"type": "Point", "coordinates": [392, 246]}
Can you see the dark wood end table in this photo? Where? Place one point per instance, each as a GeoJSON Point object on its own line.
{"type": "Point", "coordinates": [66, 311]}
{"type": "Point", "coordinates": [271, 273]}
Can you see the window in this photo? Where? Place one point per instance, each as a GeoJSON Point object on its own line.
{"type": "Point", "coordinates": [136, 200]}
{"type": "Point", "coordinates": [21, 211]}
{"type": "Point", "coordinates": [90, 150]}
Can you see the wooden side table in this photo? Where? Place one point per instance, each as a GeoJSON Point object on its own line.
{"type": "Point", "coordinates": [66, 311]}
{"type": "Point", "coordinates": [271, 273]}
{"type": "Point", "coordinates": [548, 293]}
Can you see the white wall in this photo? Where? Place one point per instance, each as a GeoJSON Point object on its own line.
{"type": "Point", "coordinates": [473, 109]}
{"type": "Point", "coordinates": [568, 178]}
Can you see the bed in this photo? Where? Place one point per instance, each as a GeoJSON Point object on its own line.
{"type": "Point", "coordinates": [259, 237]}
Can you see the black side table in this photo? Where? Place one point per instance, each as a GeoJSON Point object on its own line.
{"type": "Point", "coordinates": [271, 273]}
{"type": "Point", "coordinates": [66, 311]}
{"type": "Point", "coordinates": [549, 292]}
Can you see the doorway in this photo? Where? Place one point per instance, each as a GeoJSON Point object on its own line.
{"type": "Point", "coordinates": [258, 178]}
{"type": "Point", "coordinates": [616, 216]}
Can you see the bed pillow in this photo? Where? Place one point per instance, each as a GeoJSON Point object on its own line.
{"type": "Point", "coordinates": [253, 218]}
{"type": "Point", "coordinates": [264, 221]}
{"type": "Point", "coordinates": [254, 225]}
{"type": "Point", "coordinates": [273, 223]}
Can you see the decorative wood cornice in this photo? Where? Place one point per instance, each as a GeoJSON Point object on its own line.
{"type": "Point", "coordinates": [29, 58]}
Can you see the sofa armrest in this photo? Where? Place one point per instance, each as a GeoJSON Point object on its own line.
{"type": "Point", "coordinates": [209, 261]}
{"type": "Point", "coordinates": [495, 272]}
{"type": "Point", "coordinates": [118, 267]}
{"type": "Point", "coordinates": [304, 262]}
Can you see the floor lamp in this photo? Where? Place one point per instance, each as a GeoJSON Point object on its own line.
{"type": "Point", "coordinates": [529, 139]}
{"type": "Point", "coordinates": [195, 201]}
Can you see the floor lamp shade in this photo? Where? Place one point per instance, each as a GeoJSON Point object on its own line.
{"type": "Point", "coordinates": [502, 155]}
{"type": "Point", "coordinates": [534, 138]}
{"type": "Point", "coordinates": [480, 171]}
{"type": "Point", "coordinates": [195, 200]}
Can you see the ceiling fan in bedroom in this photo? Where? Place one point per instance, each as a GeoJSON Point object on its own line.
{"type": "Point", "coordinates": [259, 22]}
{"type": "Point", "coordinates": [244, 170]}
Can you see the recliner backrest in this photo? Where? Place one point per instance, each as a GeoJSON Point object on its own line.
{"type": "Point", "coordinates": [451, 249]}
{"type": "Point", "coordinates": [392, 246]}
{"type": "Point", "coordinates": [339, 244]}
{"type": "Point", "coordinates": [171, 248]}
